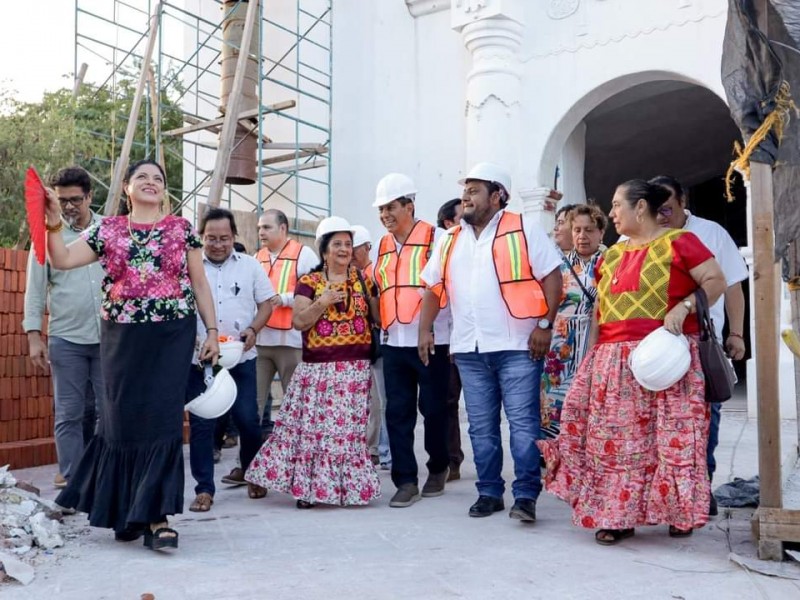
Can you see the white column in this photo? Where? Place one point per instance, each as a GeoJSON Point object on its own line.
{"type": "Point", "coordinates": [573, 159]}
{"type": "Point", "coordinates": [492, 33]}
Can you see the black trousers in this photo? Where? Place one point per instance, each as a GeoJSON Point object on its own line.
{"type": "Point", "coordinates": [408, 380]}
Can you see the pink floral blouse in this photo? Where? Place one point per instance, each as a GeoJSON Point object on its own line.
{"type": "Point", "coordinates": [147, 280]}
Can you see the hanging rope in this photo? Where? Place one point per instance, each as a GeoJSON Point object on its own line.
{"type": "Point", "coordinates": [775, 121]}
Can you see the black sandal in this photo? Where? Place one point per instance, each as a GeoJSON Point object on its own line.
{"type": "Point", "coordinates": [129, 534]}
{"type": "Point", "coordinates": [679, 533]}
{"type": "Point", "coordinates": [610, 537]}
{"type": "Point", "coordinates": [302, 504]}
{"type": "Point", "coordinates": [163, 537]}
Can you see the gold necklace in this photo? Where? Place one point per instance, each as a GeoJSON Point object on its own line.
{"type": "Point", "coordinates": [149, 235]}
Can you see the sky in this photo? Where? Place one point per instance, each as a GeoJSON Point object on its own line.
{"type": "Point", "coordinates": [35, 58]}
{"type": "Point", "coordinates": [41, 58]}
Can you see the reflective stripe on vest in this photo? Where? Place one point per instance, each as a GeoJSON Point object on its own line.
{"type": "Point", "coordinates": [283, 276]}
{"type": "Point", "coordinates": [522, 294]}
{"type": "Point", "coordinates": [398, 275]}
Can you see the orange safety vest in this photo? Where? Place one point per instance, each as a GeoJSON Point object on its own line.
{"type": "Point", "coordinates": [283, 275]}
{"type": "Point", "coordinates": [521, 293]}
{"type": "Point", "coordinates": [398, 275]}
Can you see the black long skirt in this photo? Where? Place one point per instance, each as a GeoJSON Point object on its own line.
{"type": "Point", "coordinates": [131, 473]}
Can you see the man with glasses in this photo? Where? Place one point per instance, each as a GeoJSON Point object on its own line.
{"type": "Point", "coordinates": [72, 350]}
{"type": "Point", "coordinates": [241, 292]}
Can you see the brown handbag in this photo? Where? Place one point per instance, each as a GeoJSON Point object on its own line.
{"type": "Point", "coordinates": [717, 369]}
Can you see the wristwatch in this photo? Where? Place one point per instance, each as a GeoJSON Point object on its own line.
{"type": "Point", "coordinates": [544, 324]}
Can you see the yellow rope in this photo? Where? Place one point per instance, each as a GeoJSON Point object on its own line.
{"type": "Point", "coordinates": [776, 120]}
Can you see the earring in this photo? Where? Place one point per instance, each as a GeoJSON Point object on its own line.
{"type": "Point", "coordinates": [129, 204]}
{"type": "Point", "coordinates": [639, 218]}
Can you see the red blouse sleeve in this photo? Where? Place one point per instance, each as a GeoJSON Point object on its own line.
{"type": "Point", "coordinates": [690, 250]}
{"type": "Point", "coordinates": [597, 273]}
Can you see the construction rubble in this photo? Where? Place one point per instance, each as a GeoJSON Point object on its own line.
{"type": "Point", "coordinates": [28, 523]}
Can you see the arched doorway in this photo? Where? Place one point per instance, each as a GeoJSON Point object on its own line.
{"type": "Point", "coordinates": [662, 125]}
{"type": "Point", "coordinates": [666, 127]}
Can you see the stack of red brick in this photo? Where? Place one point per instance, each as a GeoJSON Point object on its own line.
{"type": "Point", "coordinates": [26, 398]}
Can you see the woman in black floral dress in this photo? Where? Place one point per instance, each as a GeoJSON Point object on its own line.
{"type": "Point", "coordinates": [131, 475]}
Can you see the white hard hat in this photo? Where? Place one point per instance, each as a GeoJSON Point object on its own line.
{"type": "Point", "coordinates": [360, 236]}
{"type": "Point", "coordinates": [230, 353]}
{"type": "Point", "coordinates": [219, 396]}
{"type": "Point", "coordinates": [486, 171]}
{"type": "Point", "coordinates": [392, 187]}
{"type": "Point", "coordinates": [332, 225]}
{"type": "Point", "coordinates": [660, 360]}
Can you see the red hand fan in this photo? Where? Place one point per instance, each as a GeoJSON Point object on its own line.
{"type": "Point", "coordinates": [34, 206]}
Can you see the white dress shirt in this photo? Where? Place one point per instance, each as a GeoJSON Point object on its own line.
{"type": "Point", "coordinates": [238, 286]}
{"type": "Point", "coordinates": [269, 336]}
{"type": "Point", "coordinates": [480, 317]}
{"type": "Point", "coordinates": [400, 335]}
{"type": "Point", "coordinates": [724, 249]}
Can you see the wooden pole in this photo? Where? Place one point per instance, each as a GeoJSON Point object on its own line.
{"type": "Point", "coordinates": [155, 102]}
{"type": "Point", "coordinates": [122, 162]}
{"type": "Point", "coordinates": [766, 333]}
{"type": "Point", "coordinates": [226, 138]}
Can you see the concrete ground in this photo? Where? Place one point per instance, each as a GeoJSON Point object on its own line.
{"type": "Point", "coordinates": [266, 548]}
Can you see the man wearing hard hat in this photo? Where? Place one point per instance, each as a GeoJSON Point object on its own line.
{"type": "Point", "coordinates": [500, 275]}
{"type": "Point", "coordinates": [402, 254]}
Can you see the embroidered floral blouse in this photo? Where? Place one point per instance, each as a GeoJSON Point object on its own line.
{"type": "Point", "coordinates": [147, 278]}
{"type": "Point", "coordinates": [343, 331]}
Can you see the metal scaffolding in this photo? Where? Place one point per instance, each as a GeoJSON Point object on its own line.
{"type": "Point", "coordinates": [292, 119]}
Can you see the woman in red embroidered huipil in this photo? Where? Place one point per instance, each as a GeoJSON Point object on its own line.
{"type": "Point", "coordinates": [628, 457]}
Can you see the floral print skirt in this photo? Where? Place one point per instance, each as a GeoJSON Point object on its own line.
{"type": "Point", "coordinates": [625, 456]}
{"type": "Point", "coordinates": [318, 450]}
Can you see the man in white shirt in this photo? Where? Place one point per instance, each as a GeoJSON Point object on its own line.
{"type": "Point", "coordinates": [500, 274]}
{"type": "Point", "coordinates": [279, 345]}
{"type": "Point", "coordinates": [673, 214]}
{"type": "Point", "coordinates": [241, 292]}
{"type": "Point", "coordinates": [401, 256]}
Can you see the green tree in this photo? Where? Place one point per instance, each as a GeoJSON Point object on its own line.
{"type": "Point", "coordinates": [86, 129]}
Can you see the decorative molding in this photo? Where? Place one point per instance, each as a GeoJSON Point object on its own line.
{"type": "Point", "coordinates": [594, 43]}
{"type": "Point", "coordinates": [477, 107]}
{"type": "Point", "coordinates": [420, 8]}
{"type": "Point", "coordinates": [469, 6]}
{"type": "Point", "coordinates": [561, 9]}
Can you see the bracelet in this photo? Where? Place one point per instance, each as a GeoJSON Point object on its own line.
{"type": "Point", "coordinates": [732, 334]}
{"type": "Point", "coordinates": [251, 328]}
{"type": "Point", "coordinates": [54, 228]}
{"type": "Point", "coordinates": [212, 329]}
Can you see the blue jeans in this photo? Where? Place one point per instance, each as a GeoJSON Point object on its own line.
{"type": "Point", "coordinates": [713, 438]}
{"type": "Point", "coordinates": [244, 413]}
{"type": "Point", "coordinates": [405, 376]}
{"type": "Point", "coordinates": [510, 379]}
{"type": "Point", "coordinates": [77, 380]}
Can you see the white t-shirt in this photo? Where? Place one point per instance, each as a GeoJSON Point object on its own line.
{"type": "Point", "coordinates": [401, 335]}
{"type": "Point", "coordinates": [480, 316]}
{"type": "Point", "coordinates": [288, 337]}
{"type": "Point", "coordinates": [724, 249]}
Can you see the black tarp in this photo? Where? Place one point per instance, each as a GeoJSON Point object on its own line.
{"type": "Point", "coordinates": [753, 69]}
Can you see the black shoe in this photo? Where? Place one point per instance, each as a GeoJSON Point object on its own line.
{"type": "Point", "coordinates": [486, 506]}
{"type": "Point", "coordinates": [713, 511]}
{"type": "Point", "coordinates": [524, 509]}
